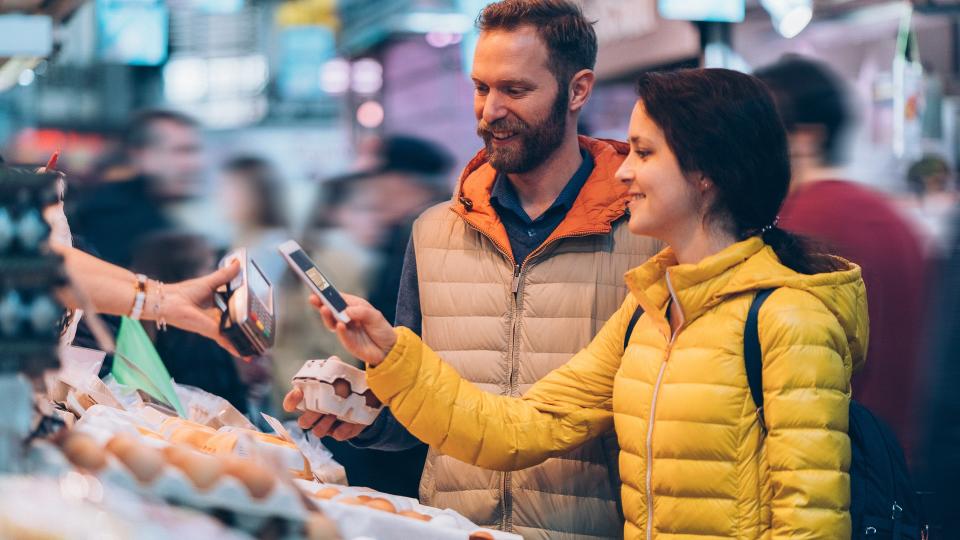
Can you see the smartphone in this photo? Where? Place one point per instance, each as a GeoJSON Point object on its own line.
{"type": "Point", "coordinates": [308, 273]}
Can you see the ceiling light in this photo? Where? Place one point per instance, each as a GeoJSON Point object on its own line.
{"type": "Point", "coordinates": [789, 17]}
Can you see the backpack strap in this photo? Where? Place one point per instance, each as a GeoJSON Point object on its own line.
{"type": "Point", "coordinates": [752, 356]}
{"type": "Point", "coordinates": [633, 322]}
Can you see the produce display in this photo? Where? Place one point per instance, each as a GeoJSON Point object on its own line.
{"type": "Point", "coordinates": [152, 474]}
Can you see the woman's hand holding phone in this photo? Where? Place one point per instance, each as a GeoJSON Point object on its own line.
{"type": "Point", "coordinates": [368, 336]}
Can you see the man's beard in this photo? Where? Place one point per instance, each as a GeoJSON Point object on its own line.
{"type": "Point", "coordinates": [535, 143]}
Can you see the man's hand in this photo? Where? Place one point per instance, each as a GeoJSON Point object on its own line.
{"type": "Point", "coordinates": [368, 336]}
{"type": "Point", "coordinates": [321, 425]}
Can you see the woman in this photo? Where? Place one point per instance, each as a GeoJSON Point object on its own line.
{"type": "Point", "coordinates": [254, 198]}
{"type": "Point", "coordinates": [707, 173]}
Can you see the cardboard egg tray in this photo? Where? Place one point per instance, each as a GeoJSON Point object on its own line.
{"type": "Point", "coordinates": [228, 495]}
{"type": "Point", "coordinates": [358, 520]}
{"type": "Point", "coordinates": [317, 379]}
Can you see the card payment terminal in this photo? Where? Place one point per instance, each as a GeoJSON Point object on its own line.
{"type": "Point", "coordinates": [248, 306]}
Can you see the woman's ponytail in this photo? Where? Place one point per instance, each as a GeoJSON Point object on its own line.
{"type": "Point", "coordinates": [798, 252]}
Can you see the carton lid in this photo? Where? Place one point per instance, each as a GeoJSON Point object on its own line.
{"type": "Point", "coordinates": [331, 369]}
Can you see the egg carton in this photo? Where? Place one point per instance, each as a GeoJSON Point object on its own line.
{"type": "Point", "coordinates": [357, 520]}
{"type": "Point", "coordinates": [227, 494]}
{"type": "Point", "coordinates": [320, 382]}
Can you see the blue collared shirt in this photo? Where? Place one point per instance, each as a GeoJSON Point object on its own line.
{"type": "Point", "coordinates": [527, 234]}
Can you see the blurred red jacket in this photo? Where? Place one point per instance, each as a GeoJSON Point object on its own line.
{"type": "Point", "coordinates": [863, 226]}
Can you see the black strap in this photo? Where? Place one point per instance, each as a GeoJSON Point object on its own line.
{"type": "Point", "coordinates": [752, 356]}
{"type": "Point", "coordinates": [633, 322]}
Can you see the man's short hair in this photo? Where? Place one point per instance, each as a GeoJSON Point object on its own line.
{"type": "Point", "coordinates": [140, 133]}
{"type": "Point", "coordinates": [807, 92]}
{"type": "Point", "coordinates": [560, 24]}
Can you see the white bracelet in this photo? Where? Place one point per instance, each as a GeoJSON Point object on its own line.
{"type": "Point", "coordinates": [140, 299]}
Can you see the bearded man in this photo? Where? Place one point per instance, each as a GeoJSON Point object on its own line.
{"type": "Point", "coordinates": [520, 270]}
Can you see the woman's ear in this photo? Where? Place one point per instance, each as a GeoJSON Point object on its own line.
{"type": "Point", "coordinates": [704, 184]}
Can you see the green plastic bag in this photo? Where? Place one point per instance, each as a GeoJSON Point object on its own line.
{"type": "Point", "coordinates": [136, 364]}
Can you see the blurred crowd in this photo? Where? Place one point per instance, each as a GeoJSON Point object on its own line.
{"type": "Point", "coordinates": [360, 225]}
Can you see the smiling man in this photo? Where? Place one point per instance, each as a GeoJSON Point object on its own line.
{"type": "Point", "coordinates": [521, 269]}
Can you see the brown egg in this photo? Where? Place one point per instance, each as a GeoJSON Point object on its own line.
{"type": "Point", "coordinates": [480, 535]}
{"type": "Point", "coordinates": [202, 469]}
{"type": "Point", "coordinates": [258, 480]}
{"type": "Point", "coordinates": [327, 493]}
{"type": "Point", "coordinates": [320, 527]}
{"type": "Point", "coordinates": [194, 438]}
{"type": "Point", "coordinates": [120, 442]}
{"type": "Point", "coordinates": [342, 388]}
{"type": "Point", "coordinates": [382, 504]}
{"type": "Point", "coordinates": [371, 399]}
{"type": "Point", "coordinates": [84, 452]}
{"type": "Point", "coordinates": [144, 462]}
{"type": "Point", "coordinates": [354, 501]}
{"type": "Point", "coordinates": [414, 515]}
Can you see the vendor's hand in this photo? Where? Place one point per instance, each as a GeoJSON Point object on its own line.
{"type": "Point", "coordinates": [189, 305]}
{"type": "Point", "coordinates": [321, 425]}
{"type": "Point", "coordinates": [368, 337]}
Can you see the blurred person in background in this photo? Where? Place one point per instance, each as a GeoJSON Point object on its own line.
{"type": "Point", "coordinates": [163, 163]}
{"type": "Point", "coordinates": [861, 225]}
{"type": "Point", "coordinates": [934, 201]}
{"type": "Point", "coordinates": [190, 358]}
{"type": "Point", "coordinates": [939, 459]}
{"type": "Point", "coordinates": [254, 200]}
{"type": "Point", "coordinates": [412, 174]}
{"type": "Point", "coordinates": [517, 272]}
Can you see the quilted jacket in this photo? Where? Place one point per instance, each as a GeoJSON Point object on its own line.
{"type": "Point", "coordinates": [695, 462]}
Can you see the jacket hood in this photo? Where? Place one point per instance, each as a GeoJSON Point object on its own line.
{"type": "Point", "coordinates": [602, 200]}
{"type": "Point", "coordinates": [745, 267]}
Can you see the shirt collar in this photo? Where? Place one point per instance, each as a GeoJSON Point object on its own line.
{"type": "Point", "coordinates": [505, 196]}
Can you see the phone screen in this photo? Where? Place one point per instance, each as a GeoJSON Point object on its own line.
{"type": "Point", "coordinates": [315, 277]}
{"type": "Point", "coordinates": [259, 286]}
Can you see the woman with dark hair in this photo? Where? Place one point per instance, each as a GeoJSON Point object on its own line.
{"type": "Point", "coordinates": [254, 202]}
{"type": "Point", "coordinates": [708, 172]}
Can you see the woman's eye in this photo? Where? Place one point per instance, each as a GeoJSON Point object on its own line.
{"type": "Point", "coordinates": [642, 153]}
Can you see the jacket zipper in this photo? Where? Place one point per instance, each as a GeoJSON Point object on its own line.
{"type": "Point", "coordinates": [653, 409]}
{"type": "Point", "coordinates": [514, 369]}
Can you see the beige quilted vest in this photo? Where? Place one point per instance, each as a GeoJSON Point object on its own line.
{"type": "Point", "coordinates": [504, 342]}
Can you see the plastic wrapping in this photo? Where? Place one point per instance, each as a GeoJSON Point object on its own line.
{"type": "Point", "coordinates": [348, 506]}
{"type": "Point", "coordinates": [210, 410]}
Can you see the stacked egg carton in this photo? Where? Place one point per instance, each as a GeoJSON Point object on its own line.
{"type": "Point", "coordinates": [29, 312]}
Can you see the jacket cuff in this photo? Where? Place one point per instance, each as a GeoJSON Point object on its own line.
{"type": "Point", "coordinates": [398, 371]}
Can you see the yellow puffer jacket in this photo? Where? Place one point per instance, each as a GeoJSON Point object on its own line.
{"type": "Point", "coordinates": [690, 438]}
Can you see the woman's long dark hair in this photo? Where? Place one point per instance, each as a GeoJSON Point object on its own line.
{"type": "Point", "coordinates": [724, 125]}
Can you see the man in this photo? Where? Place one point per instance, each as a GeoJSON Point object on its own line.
{"type": "Point", "coordinates": [522, 268]}
{"type": "Point", "coordinates": [860, 225]}
{"type": "Point", "coordinates": [162, 162]}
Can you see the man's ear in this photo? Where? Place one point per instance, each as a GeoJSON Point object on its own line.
{"type": "Point", "coordinates": [581, 86]}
